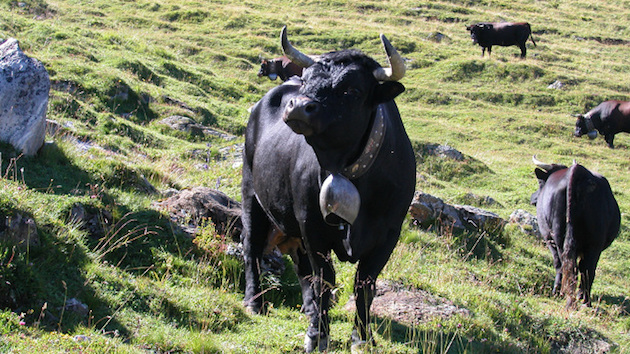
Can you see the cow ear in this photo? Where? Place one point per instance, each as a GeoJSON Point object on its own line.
{"type": "Point", "coordinates": [387, 91]}
{"type": "Point", "coordinates": [541, 175]}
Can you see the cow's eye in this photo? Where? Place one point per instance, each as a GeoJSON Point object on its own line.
{"type": "Point", "coordinates": [351, 91]}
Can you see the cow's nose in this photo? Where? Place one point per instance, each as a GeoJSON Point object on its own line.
{"type": "Point", "coordinates": [302, 108]}
{"type": "Point", "coordinates": [300, 114]}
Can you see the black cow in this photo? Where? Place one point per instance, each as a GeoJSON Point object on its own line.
{"type": "Point", "coordinates": [487, 34]}
{"type": "Point", "coordinates": [609, 118]}
{"type": "Point", "coordinates": [578, 216]}
{"type": "Point", "coordinates": [281, 67]}
{"type": "Point", "coordinates": [328, 162]}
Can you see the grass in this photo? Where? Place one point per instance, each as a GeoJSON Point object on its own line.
{"type": "Point", "coordinates": [119, 67]}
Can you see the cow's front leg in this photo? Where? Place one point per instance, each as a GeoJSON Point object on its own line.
{"type": "Point", "coordinates": [368, 270]}
{"type": "Point", "coordinates": [609, 139]}
{"type": "Point", "coordinates": [317, 279]}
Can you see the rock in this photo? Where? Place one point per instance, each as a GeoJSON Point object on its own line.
{"type": "Point", "coordinates": [437, 37]}
{"type": "Point", "coordinates": [19, 229]}
{"type": "Point", "coordinates": [24, 87]}
{"type": "Point", "coordinates": [445, 151]}
{"type": "Point", "coordinates": [76, 306]}
{"type": "Point", "coordinates": [189, 126]}
{"type": "Point", "coordinates": [95, 221]}
{"type": "Point", "coordinates": [556, 85]}
{"type": "Point", "coordinates": [427, 211]}
{"type": "Point", "coordinates": [526, 221]}
{"type": "Point", "coordinates": [189, 207]}
{"type": "Point", "coordinates": [408, 305]}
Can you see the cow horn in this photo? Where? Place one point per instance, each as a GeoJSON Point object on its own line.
{"type": "Point", "coordinates": [295, 55]}
{"type": "Point", "coordinates": [396, 71]}
{"type": "Point", "coordinates": [544, 166]}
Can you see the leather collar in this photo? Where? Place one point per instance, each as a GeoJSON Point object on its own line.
{"type": "Point", "coordinates": [371, 149]}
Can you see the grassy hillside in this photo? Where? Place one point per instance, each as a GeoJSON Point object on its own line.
{"type": "Point", "coordinates": [119, 67]}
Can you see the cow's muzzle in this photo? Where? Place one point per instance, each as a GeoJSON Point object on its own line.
{"type": "Point", "coordinates": [300, 113]}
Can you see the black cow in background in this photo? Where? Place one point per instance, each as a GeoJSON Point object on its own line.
{"type": "Point", "coordinates": [578, 217]}
{"type": "Point", "coordinates": [609, 118]}
{"type": "Point", "coordinates": [327, 161]}
{"type": "Point", "coordinates": [487, 34]}
{"type": "Point", "coordinates": [281, 67]}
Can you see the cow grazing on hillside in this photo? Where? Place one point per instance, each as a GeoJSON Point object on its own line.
{"type": "Point", "coordinates": [609, 118]}
{"type": "Point", "coordinates": [328, 162]}
{"type": "Point", "coordinates": [487, 34]}
{"type": "Point", "coordinates": [281, 67]}
{"type": "Point", "coordinates": [578, 216]}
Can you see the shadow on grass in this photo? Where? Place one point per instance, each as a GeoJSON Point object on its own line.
{"type": "Point", "coordinates": [622, 301]}
{"type": "Point", "coordinates": [49, 171]}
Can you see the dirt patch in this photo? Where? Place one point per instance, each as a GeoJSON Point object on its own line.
{"type": "Point", "coordinates": [407, 305]}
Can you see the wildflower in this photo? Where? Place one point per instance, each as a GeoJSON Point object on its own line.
{"type": "Point", "coordinates": [22, 323]}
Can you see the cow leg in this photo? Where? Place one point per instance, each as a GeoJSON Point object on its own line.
{"type": "Point", "coordinates": [609, 139]}
{"type": "Point", "coordinates": [557, 265]}
{"type": "Point", "coordinates": [523, 50]}
{"type": "Point", "coordinates": [365, 288]}
{"type": "Point", "coordinates": [317, 277]}
{"type": "Point", "coordinates": [254, 238]}
{"type": "Point", "coordinates": [587, 266]}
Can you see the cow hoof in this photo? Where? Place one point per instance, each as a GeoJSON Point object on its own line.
{"type": "Point", "coordinates": [359, 347]}
{"type": "Point", "coordinates": [310, 343]}
{"type": "Point", "coordinates": [252, 309]}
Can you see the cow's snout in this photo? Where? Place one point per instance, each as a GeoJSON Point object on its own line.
{"type": "Point", "coordinates": [300, 114]}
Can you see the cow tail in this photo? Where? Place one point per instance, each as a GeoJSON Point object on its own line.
{"type": "Point", "coordinates": [569, 253]}
{"type": "Point", "coordinates": [531, 35]}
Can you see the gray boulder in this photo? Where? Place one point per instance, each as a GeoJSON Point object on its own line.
{"type": "Point", "coordinates": [24, 87]}
{"type": "Point", "coordinates": [526, 221]}
{"type": "Point", "coordinates": [19, 229]}
{"type": "Point", "coordinates": [190, 207]}
{"type": "Point", "coordinates": [427, 211]}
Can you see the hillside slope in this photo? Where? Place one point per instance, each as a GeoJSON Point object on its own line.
{"type": "Point", "coordinates": [119, 67]}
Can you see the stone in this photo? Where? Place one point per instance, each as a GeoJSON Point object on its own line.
{"type": "Point", "coordinates": [427, 211]}
{"type": "Point", "coordinates": [190, 207]}
{"type": "Point", "coordinates": [445, 151]}
{"type": "Point", "coordinates": [24, 88]}
{"type": "Point", "coordinates": [526, 221]}
{"type": "Point", "coordinates": [188, 125]}
{"type": "Point", "coordinates": [20, 229]}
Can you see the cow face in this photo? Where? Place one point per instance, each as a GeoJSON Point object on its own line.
{"type": "Point", "coordinates": [584, 126]}
{"type": "Point", "coordinates": [337, 100]}
{"type": "Point", "coordinates": [477, 30]}
{"type": "Point", "coordinates": [267, 69]}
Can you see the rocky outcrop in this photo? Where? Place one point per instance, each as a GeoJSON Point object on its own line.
{"type": "Point", "coordinates": [20, 229]}
{"type": "Point", "coordinates": [526, 222]}
{"type": "Point", "coordinates": [24, 87]}
{"type": "Point", "coordinates": [428, 211]}
{"type": "Point", "coordinates": [190, 206]}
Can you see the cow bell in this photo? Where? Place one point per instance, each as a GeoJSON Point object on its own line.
{"type": "Point", "coordinates": [592, 134]}
{"type": "Point", "coordinates": [339, 199]}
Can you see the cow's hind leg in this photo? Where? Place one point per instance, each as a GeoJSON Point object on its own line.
{"type": "Point", "coordinates": [317, 283]}
{"type": "Point", "coordinates": [254, 238]}
{"type": "Point", "coordinates": [557, 265]}
{"type": "Point", "coordinates": [523, 50]}
{"type": "Point", "coordinates": [587, 266]}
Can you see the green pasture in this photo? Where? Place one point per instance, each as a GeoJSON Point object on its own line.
{"type": "Point", "coordinates": [118, 67]}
